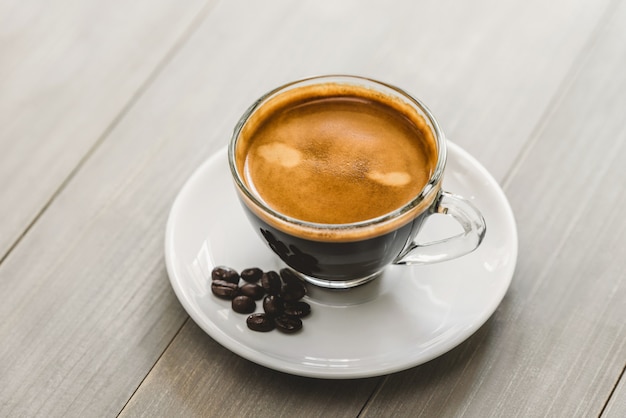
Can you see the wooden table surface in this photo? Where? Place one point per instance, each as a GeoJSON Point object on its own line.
{"type": "Point", "coordinates": [107, 107]}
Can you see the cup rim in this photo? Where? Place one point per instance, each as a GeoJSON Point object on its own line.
{"type": "Point", "coordinates": [429, 189]}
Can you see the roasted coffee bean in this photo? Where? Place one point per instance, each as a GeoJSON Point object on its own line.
{"type": "Point", "coordinates": [225, 273]}
{"type": "Point", "coordinates": [282, 306]}
{"type": "Point", "coordinates": [273, 305]}
{"type": "Point", "coordinates": [243, 304]}
{"type": "Point", "coordinates": [260, 322]}
{"type": "Point", "coordinates": [271, 282]}
{"type": "Point", "coordinates": [251, 275]}
{"type": "Point", "coordinates": [299, 308]}
{"type": "Point", "coordinates": [253, 290]}
{"type": "Point", "coordinates": [288, 324]}
{"type": "Point", "coordinates": [223, 289]}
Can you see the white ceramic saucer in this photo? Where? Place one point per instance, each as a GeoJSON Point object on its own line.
{"type": "Point", "coordinates": [409, 316]}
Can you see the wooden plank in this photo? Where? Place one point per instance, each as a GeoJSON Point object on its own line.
{"type": "Point", "coordinates": [616, 406]}
{"type": "Point", "coordinates": [557, 344]}
{"type": "Point", "coordinates": [67, 70]}
{"type": "Point", "coordinates": [70, 325]}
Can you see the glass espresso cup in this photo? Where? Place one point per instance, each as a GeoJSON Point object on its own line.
{"type": "Point", "coordinates": [337, 174]}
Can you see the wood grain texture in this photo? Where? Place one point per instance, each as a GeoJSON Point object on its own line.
{"type": "Point", "coordinates": [616, 407]}
{"type": "Point", "coordinates": [68, 69]}
{"type": "Point", "coordinates": [557, 344]}
{"type": "Point", "coordinates": [78, 326]}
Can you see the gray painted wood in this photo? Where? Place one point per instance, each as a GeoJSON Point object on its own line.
{"type": "Point", "coordinates": [89, 325]}
{"type": "Point", "coordinates": [78, 326]}
{"type": "Point", "coordinates": [616, 406]}
{"type": "Point", "coordinates": [67, 71]}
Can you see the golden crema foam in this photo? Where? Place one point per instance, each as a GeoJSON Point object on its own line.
{"type": "Point", "coordinates": [335, 154]}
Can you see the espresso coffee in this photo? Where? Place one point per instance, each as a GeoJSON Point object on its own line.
{"type": "Point", "coordinates": [336, 154]}
{"type": "Point", "coordinates": [337, 175]}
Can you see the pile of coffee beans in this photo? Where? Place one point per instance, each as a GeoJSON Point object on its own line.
{"type": "Point", "coordinates": [281, 292]}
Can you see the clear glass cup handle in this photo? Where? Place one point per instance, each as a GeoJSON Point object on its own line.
{"type": "Point", "coordinates": [474, 228]}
